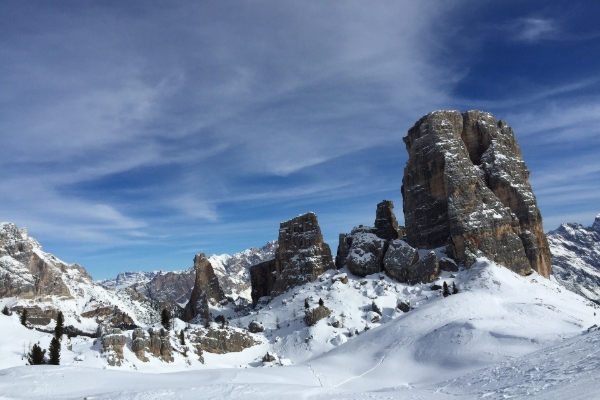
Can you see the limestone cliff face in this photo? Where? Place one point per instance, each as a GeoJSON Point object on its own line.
{"type": "Point", "coordinates": [466, 187]}
{"type": "Point", "coordinates": [301, 257]}
{"type": "Point", "coordinates": [206, 289]}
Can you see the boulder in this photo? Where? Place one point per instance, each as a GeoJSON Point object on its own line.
{"type": "Point", "coordinates": [466, 188]}
{"type": "Point", "coordinates": [225, 340]}
{"type": "Point", "coordinates": [398, 259]}
{"type": "Point", "coordinates": [425, 270]}
{"type": "Point", "coordinates": [113, 342]}
{"type": "Point", "coordinates": [256, 327]}
{"type": "Point", "coordinates": [366, 253]}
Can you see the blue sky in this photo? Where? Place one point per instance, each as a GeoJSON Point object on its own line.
{"type": "Point", "coordinates": [137, 134]}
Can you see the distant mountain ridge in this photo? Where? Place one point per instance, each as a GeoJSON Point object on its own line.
{"type": "Point", "coordinates": [576, 258]}
{"type": "Point", "coordinates": [175, 287]}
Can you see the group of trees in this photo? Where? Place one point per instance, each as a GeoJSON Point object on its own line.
{"type": "Point", "coordinates": [36, 354]}
{"type": "Point", "coordinates": [446, 290]}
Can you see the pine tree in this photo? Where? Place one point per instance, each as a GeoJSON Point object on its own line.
{"type": "Point", "coordinates": [59, 328]}
{"type": "Point", "coordinates": [54, 351]}
{"type": "Point", "coordinates": [165, 319]}
{"type": "Point", "coordinates": [321, 302]}
{"type": "Point", "coordinates": [446, 290]}
{"type": "Point", "coordinates": [454, 288]}
{"type": "Point", "coordinates": [306, 305]}
{"type": "Point", "coordinates": [5, 311]}
{"type": "Point", "coordinates": [24, 317]}
{"type": "Point", "coordinates": [182, 338]}
{"type": "Point", "coordinates": [36, 355]}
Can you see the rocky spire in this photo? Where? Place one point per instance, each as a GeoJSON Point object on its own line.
{"type": "Point", "coordinates": [301, 257]}
{"type": "Point", "coordinates": [596, 225]}
{"type": "Point", "coordinates": [466, 187]}
{"type": "Point", "coordinates": [206, 289]}
{"type": "Point", "coordinates": [385, 221]}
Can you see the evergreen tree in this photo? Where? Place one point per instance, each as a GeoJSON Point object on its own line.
{"type": "Point", "coordinates": [165, 319]}
{"type": "Point", "coordinates": [446, 290]}
{"type": "Point", "coordinates": [36, 355]}
{"type": "Point", "coordinates": [182, 338]}
{"type": "Point", "coordinates": [54, 351]}
{"type": "Point", "coordinates": [59, 328]}
{"type": "Point", "coordinates": [454, 288]}
{"type": "Point", "coordinates": [306, 305]}
{"type": "Point", "coordinates": [321, 302]}
{"type": "Point", "coordinates": [24, 317]}
{"type": "Point", "coordinates": [5, 311]}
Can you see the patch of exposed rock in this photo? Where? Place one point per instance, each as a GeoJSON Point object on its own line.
{"type": "Point", "coordinates": [224, 340]}
{"type": "Point", "coordinates": [153, 341]}
{"type": "Point", "coordinates": [398, 259]}
{"type": "Point", "coordinates": [314, 315]}
{"type": "Point", "coordinates": [113, 341]}
{"type": "Point", "coordinates": [206, 290]}
{"type": "Point", "coordinates": [466, 187]}
{"type": "Point", "coordinates": [301, 257]}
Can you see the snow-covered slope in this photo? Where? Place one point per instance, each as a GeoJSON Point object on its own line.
{"type": "Point", "coordinates": [501, 335]}
{"type": "Point", "coordinates": [576, 258]}
{"type": "Point", "coordinates": [43, 284]}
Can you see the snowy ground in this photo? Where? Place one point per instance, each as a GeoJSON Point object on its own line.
{"type": "Point", "coordinates": [502, 336]}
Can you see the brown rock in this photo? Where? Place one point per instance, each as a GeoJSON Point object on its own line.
{"type": "Point", "coordinates": [316, 314]}
{"type": "Point", "coordinates": [466, 187]}
{"type": "Point", "coordinates": [225, 340]}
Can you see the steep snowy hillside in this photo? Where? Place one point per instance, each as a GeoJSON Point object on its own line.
{"type": "Point", "coordinates": [576, 258]}
{"type": "Point", "coordinates": [41, 283]}
{"type": "Point", "coordinates": [501, 336]}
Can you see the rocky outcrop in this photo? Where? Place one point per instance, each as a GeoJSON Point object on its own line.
{"type": "Point", "coordinates": [576, 258]}
{"type": "Point", "coordinates": [314, 315]}
{"type": "Point", "coordinates": [425, 270]}
{"type": "Point", "coordinates": [369, 250]}
{"type": "Point", "coordinates": [206, 290]}
{"type": "Point", "coordinates": [398, 259]}
{"type": "Point", "coordinates": [366, 252]}
{"type": "Point", "coordinates": [225, 340]}
{"type": "Point", "coordinates": [153, 341]}
{"type": "Point", "coordinates": [301, 257]}
{"type": "Point", "coordinates": [466, 188]}
{"type": "Point", "coordinates": [113, 342]}
{"type": "Point", "coordinates": [256, 327]}
{"type": "Point", "coordinates": [262, 279]}
{"type": "Point", "coordinates": [385, 222]}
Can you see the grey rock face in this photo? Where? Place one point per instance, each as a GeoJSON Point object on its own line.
{"type": "Point", "coordinates": [302, 256]}
{"type": "Point", "coordinates": [366, 253]}
{"type": "Point", "coordinates": [576, 258]}
{"type": "Point", "coordinates": [466, 187]}
{"type": "Point", "coordinates": [113, 342]}
{"type": "Point", "coordinates": [385, 221]}
{"type": "Point", "coordinates": [256, 327]}
{"type": "Point", "coordinates": [316, 314]}
{"type": "Point", "coordinates": [425, 270]}
{"type": "Point", "coordinates": [225, 340]}
{"type": "Point", "coordinates": [206, 289]}
{"type": "Point", "coordinates": [398, 259]}
{"type": "Point", "coordinates": [343, 250]}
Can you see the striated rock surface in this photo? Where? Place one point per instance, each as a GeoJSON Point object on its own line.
{"type": "Point", "coordinates": [576, 258]}
{"type": "Point", "coordinates": [206, 289]}
{"type": "Point", "coordinates": [466, 187]}
{"type": "Point", "coordinates": [301, 257]}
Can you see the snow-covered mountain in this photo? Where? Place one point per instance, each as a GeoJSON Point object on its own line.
{"type": "Point", "coordinates": [175, 287]}
{"type": "Point", "coordinates": [41, 283]}
{"type": "Point", "coordinates": [576, 258]}
{"type": "Point", "coordinates": [492, 339]}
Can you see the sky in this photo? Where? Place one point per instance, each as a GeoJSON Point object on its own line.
{"type": "Point", "coordinates": [134, 135]}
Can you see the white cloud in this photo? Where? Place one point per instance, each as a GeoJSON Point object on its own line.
{"type": "Point", "coordinates": [534, 29]}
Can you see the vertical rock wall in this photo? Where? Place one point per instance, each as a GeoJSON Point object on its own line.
{"type": "Point", "coordinates": [206, 289]}
{"type": "Point", "coordinates": [466, 187]}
